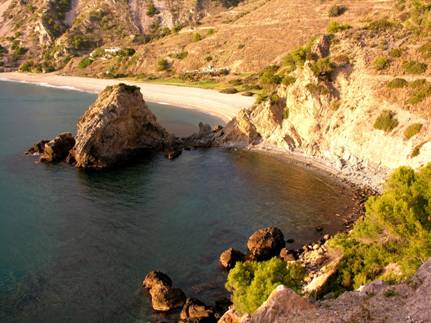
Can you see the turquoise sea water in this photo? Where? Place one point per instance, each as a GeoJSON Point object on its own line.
{"type": "Point", "coordinates": [75, 245]}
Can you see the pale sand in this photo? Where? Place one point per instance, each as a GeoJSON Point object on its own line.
{"type": "Point", "coordinates": [224, 106]}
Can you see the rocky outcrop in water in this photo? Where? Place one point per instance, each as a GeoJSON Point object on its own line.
{"type": "Point", "coordinates": [230, 257]}
{"type": "Point", "coordinates": [117, 127]}
{"type": "Point", "coordinates": [196, 311]}
{"type": "Point", "coordinates": [163, 296]}
{"type": "Point", "coordinates": [57, 149]}
{"type": "Point", "coordinates": [265, 243]}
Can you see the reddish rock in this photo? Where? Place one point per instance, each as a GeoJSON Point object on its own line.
{"type": "Point", "coordinates": [230, 257]}
{"type": "Point", "coordinates": [265, 243]}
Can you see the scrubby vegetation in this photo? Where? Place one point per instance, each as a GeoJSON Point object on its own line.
{"type": "Point", "coordinates": [252, 282]}
{"type": "Point", "coordinates": [414, 67]}
{"type": "Point", "coordinates": [337, 10]}
{"type": "Point", "coordinates": [163, 65]}
{"type": "Point", "coordinates": [395, 230]}
{"type": "Point", "coordinates": [419, 91]}
{"type": "Point", "coordinates": [412, 130]}
{"type": "Point", "coordinates": [381, 63]}
{"type": "Point", "coordinates": [335, 27]}
{"type": "Point", "coordinates": [85, 62]}
{"type": "Point", "coordinates": [386, 121]}
{"type": "Point", "coordinates": [397, 83]}
{"type": "Point", "coordinates": [323, 68]}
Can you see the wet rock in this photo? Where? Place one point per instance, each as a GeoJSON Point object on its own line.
{"type": "Point", "coordinates": [117, 127]}
{"type": "Point", "coordinates": [230, 257]}
{"type": "Point", "coordinates": [319, 228]}
{"type": "Point", "coordinates": [173, 154]}
{"type": "Point", "coordinates": [196, 311]}
{"type": "Point", "coordinates": [265, 243]}
{"type": "Point", "coordinates": [290, 240]}
{"type": "Point", "coordinates": [165, 298]}
{"type": "Point", "coordinates": [287, 255]}
{"type": "Point", "coordinates": [204, 129]}
{"type": "Point", "coordinates": [156, 278]}
{"type": "Point", "coordinates": [57, 149]}
{"type": "Point", "coordinates": [37, 148]}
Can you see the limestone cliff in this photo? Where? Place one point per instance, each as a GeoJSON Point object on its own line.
{"type": "Point", "coordinates": [117, 126]}
{"type": "Point", "coordinates": [333, 120]}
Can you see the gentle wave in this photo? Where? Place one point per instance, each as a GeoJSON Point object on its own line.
{"type": "Point", "coordinates": [44, 84]}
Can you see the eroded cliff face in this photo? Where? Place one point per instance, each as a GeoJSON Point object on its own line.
{"type": "Point", "coordinates": [333, 121]}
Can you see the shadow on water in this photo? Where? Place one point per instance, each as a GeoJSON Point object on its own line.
{"type": "Point", "coordinates": [75, 245]}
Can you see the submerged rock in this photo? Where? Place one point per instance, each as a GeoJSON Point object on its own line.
{"type": "Point", "coordinates": [265, 243]}
{"type": "Point", "coordinates": [37, 148]}
{"type": "Point", "coordinates": [57, 149]}
{"type": "Point", "coordinates": [117, 127]}
{"type": "Point", "coordinates": [172, 154]}
{"type": "Point", "coordinates": [196, 311]}
{"type": "Point", "coordinates": [230, 257]}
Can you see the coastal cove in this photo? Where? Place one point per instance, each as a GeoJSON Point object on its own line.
{"type": "Point", "coordinates": [76, 245]}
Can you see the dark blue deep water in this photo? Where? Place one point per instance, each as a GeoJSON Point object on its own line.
{"type": "Point", "coordinates": [75, 245]}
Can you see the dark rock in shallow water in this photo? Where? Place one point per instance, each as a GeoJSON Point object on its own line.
{"type": "Point", "coordinates": [173, 153]}
{"type": "Point", "coordinates": [57, 149]}
{"type": "Point", "coordinates": [156, 278]}
{"type": "Point", "coordinates": [230, 257]}
{"type": "Point", "coordinates": [165, 298]}
{"type": "Point", "coordinates": [196, 311]}
{"type": "Point", "coordinates": [38, 148]}
{"type": "Point", "coordinates": [265, 243]}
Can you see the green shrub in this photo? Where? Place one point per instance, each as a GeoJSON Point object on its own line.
{"type": "Point", "coordinates": [247, 93]}
{"type": "Point", "coordinates": [286, 113]}
{"type": "Point", "coordinates": [381, 63]}
{"type": "Point", "coordinates": [196, 37]}
{"type": "Point", "coordinates": [85, 62]}
{"type": "Point", "coordinates": [395, 52]}
{"type": "Point", "coordinates": [152, 10]}
{"type": "Point", "coordinates": [414, 67]}
{"type": "Point", "coordinates": [163, 64]}
{"type": "Point", "coordinates": [229, 90]}
{"type": "Point", "coordinates": [337, 10]}
{"type": "Point", "coordinates": [335, 27]}
{"type": "Point", "coordinates": [381, 25]}
{"type": "Point", "coordinates": [288, 80]}
{"type": "Point", "coordinates": [20, 51]}
{"type": "Point", "coordinates": [416, 151]}
{"type": "Point", "coordinates": [396, 229]}
{"type": "Point", "coordinates": [419, 91]}
{"type": "Point", "coordinates": [323, 68]}
{"type": "Point", "coordinates": [412, 130]}
{"type": "Point", "coordinates": [211, 31]}
{"type": "Point", "coordinates": [26, 67]}
{"type": "Point", "coordinates": [425, 50]}
{"type": "Point", "coordinates": [397, 83]}
{"type": "Point", "coordinates": [179, 55]}
{"type": "Point", "coordinates": [386, 121]}
{"type": "Point", "coordinates": [269, 76]}
{"type": "Point", "coordinates": [317, 89]}
{"type": "Point", "coordinates": [296, 58]}
{"type": "Point", "coordinates": [252, 282]}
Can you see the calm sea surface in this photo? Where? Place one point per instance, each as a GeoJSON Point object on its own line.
{"type": "Point", "coordinates": [75, 245]}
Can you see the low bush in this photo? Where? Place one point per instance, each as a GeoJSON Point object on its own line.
{"type": "Point", "coordinates": [26, 67]}
{"type": "Point", "coordinates": [412, 130]}
{"type": "Point", "coordinates": [179, 55]}
{"type": "Point", "coordinates": [229, 90]}
{"type": "Point", "coordinates": [414, 67]}
{"type": "Point", "coordinates": [381, 63]}
{"type": "Point", "coordinates": [317, 89]}
{"type": "Point", "coordinates": [286, 113]}
{"type": "Point", "coordinates": [269, 76]}
{"type": "Point", "coordinates": [397, 83]}
{"type": "Point", "coordinates": [335, 27]}
{"type": "Point", "coordinates": [381, 25]}
{"type": "Point", "coordinates": [196, 37]}
{"type": "Point", "coordinates": [163, 65]}
{"type": "Point", "coordinates": [425, 50]}
{"type": "Point", "coordinates": [395, 52]}
{"type": "Point", "coordinates": [396, 230]}
{"type": "Point", "coordinates": [419, 91]}
{"type": "Point", "coordinates": [337, 10]}
{"type": "Point", "coordinates": [152, 10]}
{"type": "Point", "coordinates": [85, 62]}
{"type": "Point", "coordinates": [323, 68]}
{"type": "Point", "coordinates": [296, 58]}
{"type": "Point", "coordinates": [386, 121]}
{"type": "Point", "coordinates": [288, 80]}
{"type": "Point", "coordinates": [252, 282]}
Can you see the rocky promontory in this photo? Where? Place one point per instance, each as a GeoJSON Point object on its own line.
{"type": "Point", "coordinates": [116, 128]}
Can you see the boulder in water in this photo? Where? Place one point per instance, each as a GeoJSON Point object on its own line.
{"type": "Point", "coordinates": [196, 311]}
{"type": "Point", "coordinates": [265, 243]}
{"type": "Point", "coordinates": [165, 298]}
{"type": "Point", "coordinates": [230, 257]}
{"type": "Point", "coordinates": [156, 278]}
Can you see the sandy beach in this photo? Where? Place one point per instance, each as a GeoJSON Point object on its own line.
{"type": "Point", "coordinates": [224, 106]}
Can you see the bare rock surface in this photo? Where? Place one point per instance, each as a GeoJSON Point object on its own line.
{"type": "Point", "coordinates": [156, 278]}
{"type": "Point", "coordinates": [165, 298]}
{"type": "Point", "coordinates": [230, 257]}
{"type": "Point", "coordinates": [196, 311]}
{"type": "Point", "coordinates": [117, 127]}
